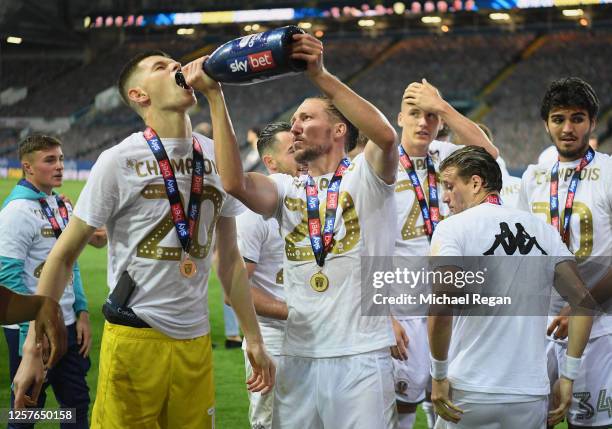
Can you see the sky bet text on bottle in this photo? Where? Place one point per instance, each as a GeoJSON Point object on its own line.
{"type": "Point", "coordinates": [252, 63]}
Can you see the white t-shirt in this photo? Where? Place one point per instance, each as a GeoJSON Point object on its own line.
{"type": "Point", "coordinates": [510, 191]}
{"type": "Point", "coordinates": [511, 185]}
{"type": "Point", "coordinates": [591, 221]}
{"type": "Point", "coordinates": [411, 239]}
{"type": "Point", "coordinates": [440, 150]}
{"type": "Point", "coordinates": [502, 166]}
{"type": "Point", "coordinates": [549, 156]}
{"type": "Point", "coordinates": [125, 192]}
{"type": "Point", "coordinates": [328, 324]}
{"type": "Point", "coordinates": [26, 234]}
{"type": "Point", "coordinates": [502, 355]}
{"type": "Point", "coordinates": [260, 242]}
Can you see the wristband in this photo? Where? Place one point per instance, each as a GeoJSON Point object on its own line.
{"type": "Point", "coordinates": [570, 368]}
{"type": "Point", "coordinates": [439, 368]}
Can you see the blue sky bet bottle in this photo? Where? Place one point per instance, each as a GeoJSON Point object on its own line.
{"type": "Point", "coordinates": [255, 58]}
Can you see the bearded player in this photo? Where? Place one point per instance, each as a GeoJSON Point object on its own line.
{"type": "Point", "coordinates": [336, 369]}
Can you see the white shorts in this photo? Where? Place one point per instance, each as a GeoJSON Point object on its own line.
{"type": "Point", "coordinates": [515, 415]}
{"type": "Point", "coordinates": [344, 392]}
{"type": "Point", "coordinates": [411, 376]}
{"type": "Point", "coordinates": [592, 401]}
{"type": "Point", "coordinates": [260, 406]}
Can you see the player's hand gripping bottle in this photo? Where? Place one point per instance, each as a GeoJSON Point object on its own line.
{"type": "Point", "coordinates": [255, 58]}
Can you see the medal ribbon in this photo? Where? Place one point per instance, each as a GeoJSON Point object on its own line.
{"type": "Point", "coordinates": [322, 243]}
{"type": "Point", "coordinates": [184, 228]}
{"type": "Point", "coordinates": [571, 193]}
{"type": "Point", "coordinates": [431, 214]}
{"type": "Point", "coordinates": [494, 199]}
{"type": "Point", "coordinates": [61, 206]}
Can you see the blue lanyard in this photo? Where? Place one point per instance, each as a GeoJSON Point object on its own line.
{"type": "Point", "coordinates": [431, 214]}
{"type": "Point", "coordinates": [184, 228]}
{"type": "Point", "coordinates": [63, 211]}
{"type": "Point", "coordinates": [323, 245]}
{"type": "Point", "coordinates": [571, 193]}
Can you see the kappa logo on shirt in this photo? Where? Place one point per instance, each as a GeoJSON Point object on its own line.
{"type": "Point", "coordinates": [510, 242]}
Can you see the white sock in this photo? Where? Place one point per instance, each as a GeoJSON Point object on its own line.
{"type": "Point", "coordinates": [429, 412]}
{"type": "Point", "coordinates": [406, 421]}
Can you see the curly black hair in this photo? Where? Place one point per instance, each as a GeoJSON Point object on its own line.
{"type": "Point", "coordinates": [570, 92]}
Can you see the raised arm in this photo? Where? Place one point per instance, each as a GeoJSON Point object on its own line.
{"type": "Point", "coordinates": [255, 190]}
{"type": "Point", "coordinates": [380, 152]}
{"type": "Point", "coordinates": [425, 96]}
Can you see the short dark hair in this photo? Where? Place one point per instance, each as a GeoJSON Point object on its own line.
{"type": "Point", "coordinates": [570, 92]}
{"type": "Point", "coordinates": [130, 67]}
{"type": "Point", "coordinates": [474, 160]}
{"type": "Point", "coordinates": [267, 137]}
{"type": "Point", "coordinates": [352, 133]}
{"type": "Point", "coordinates": [35, 143]}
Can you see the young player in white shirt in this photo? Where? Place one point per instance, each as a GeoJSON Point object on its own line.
{"type": "Point", "coordinates": [262, 248]}
{"type": "Point", "coordinates": [423, 112]}
{"type": "Point", "coordinates": [495, 383]}
{"type": "Point", "coordinates": [33, 216]}
{"type": "Point", "coordinates": [159, 262]}
{"type": "Point", "coordinates": [336, 369]}
{"type": "Point", "coordinates": [569, 111]}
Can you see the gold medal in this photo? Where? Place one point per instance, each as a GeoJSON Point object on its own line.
{"type": "Point", "coordinates": [319, 282]}
{"type": "Point", "coordinates": [188, 268]}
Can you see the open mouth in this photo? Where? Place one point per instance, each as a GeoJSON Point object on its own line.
{"type": "Point", "coordinates": [180, 80]}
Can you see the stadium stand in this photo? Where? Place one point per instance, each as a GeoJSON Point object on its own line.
{"type": "Point", "coordinates": [515, 115]}
{"type": "Point", "coordinates": [504, 72]}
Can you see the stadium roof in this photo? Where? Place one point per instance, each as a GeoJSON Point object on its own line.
{"type": "Point", "coordinates": [53, 21]}
{"type": "Point", "coordinates": [58, 24]}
